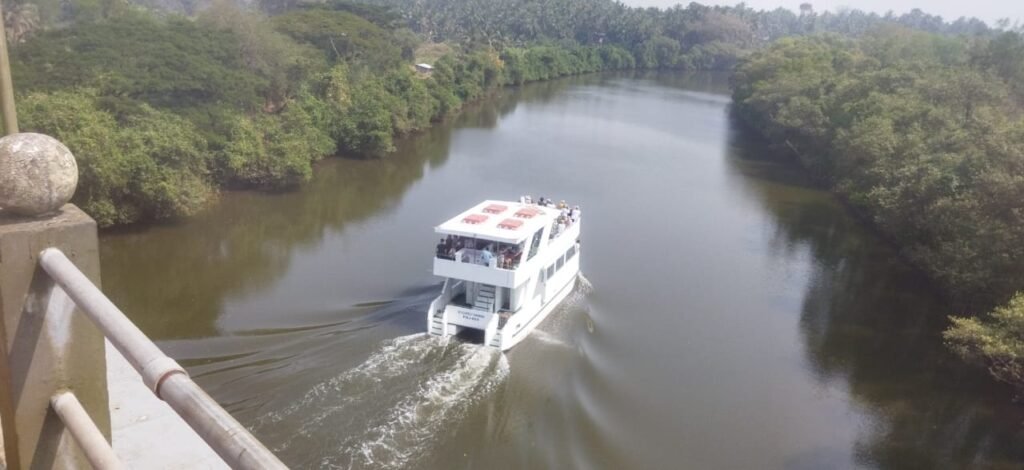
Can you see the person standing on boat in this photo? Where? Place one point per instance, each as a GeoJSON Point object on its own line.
{"type": "Point", "coordinates": [487, 255]}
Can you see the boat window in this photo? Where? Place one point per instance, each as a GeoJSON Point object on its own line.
{"type": "Point", "coordinates": [551, 271]}
{"type": "Point", "coordinates": [559, 263]}
{"type": "Point", "coordinates": [570, 253]}
{"type": "Point", "coordinates": [535, 244]}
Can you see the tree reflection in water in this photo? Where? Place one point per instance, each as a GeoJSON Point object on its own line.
{"type": "Point", "coordinates": [872, 323]}
{"type": "Point", "coordinates": [173, 279]}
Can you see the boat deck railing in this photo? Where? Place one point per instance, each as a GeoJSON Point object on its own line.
{"type": "Point", "coordinates": [482, 258]}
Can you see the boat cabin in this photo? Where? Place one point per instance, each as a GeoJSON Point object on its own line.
{"type": "Point", "coordinates": [495, 256]}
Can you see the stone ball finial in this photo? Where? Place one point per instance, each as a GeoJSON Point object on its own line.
{"type": "Point", "coordinates": [38, 174]}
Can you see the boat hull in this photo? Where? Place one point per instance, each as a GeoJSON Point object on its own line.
{"type": "Point", "coordinates": [515, 337]}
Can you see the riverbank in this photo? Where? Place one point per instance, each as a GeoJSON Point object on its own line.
{"type": "Point", "coordinates": [233, 99]}
{"type": "Point", "coordinates": [935, 175]}
{"type": "Point", "coordinates": [921, 135]}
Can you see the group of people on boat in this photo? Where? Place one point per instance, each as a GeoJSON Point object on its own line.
{"type": "Point", "coordinates": [447, 247]}
{"type": "Point", "coordinates": [566, 218]}
{"type": "Point", "coordinates": [507, 256]}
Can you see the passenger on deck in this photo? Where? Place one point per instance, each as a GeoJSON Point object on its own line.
{"type": "Point", "coordinates": [486, 255]}
{"type": "Point", "coordinates": [574, 214]}
{"type": "Point", "coordinates": [441, 249]}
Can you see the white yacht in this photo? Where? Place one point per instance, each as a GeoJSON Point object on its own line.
{"type": "Point", "coordinates": [506, 266]}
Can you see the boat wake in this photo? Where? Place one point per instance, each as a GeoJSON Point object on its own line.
{"type": "Point", "coordinates": [391, 409]}
{"type": "Point", "coordinates": [555, 330]}
{"type": "Point", "coordinates": [584, 285]}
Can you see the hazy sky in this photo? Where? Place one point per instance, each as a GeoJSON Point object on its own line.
{"type": "Point", "coordinates": [987, 10]}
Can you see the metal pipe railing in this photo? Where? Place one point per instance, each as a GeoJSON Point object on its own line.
{"type": "Point", "coordinates": [89, 438]}
{"type": "Point", "coordinates": [161, 374]}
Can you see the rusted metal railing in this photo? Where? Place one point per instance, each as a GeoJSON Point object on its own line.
{"type": "Point", "coordinates": [168, 380]}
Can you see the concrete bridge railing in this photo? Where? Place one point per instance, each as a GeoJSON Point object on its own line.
{"type": "Point", "coordinates": [160, 373]}
{"type": "Point", "coordinates": [53, 397]}
{"type": "Point", "coordinates": [55, 324]}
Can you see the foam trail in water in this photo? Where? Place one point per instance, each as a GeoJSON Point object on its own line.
{"type": "Point", "coordinates": [389, 410]}
{"type": "Point", "coordinates": [548, 338]}
{"type": "Point", "coordinates": [412, 425]}
{"type": "Point", "coordinates": [557, 326]}
{"type": "Point", "coordinates": [583, 286]}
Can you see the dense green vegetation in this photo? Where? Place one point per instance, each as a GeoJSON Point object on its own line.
{"type": "Point", "coordinates": [692, 37]}
{"type": "Point", "coordinates": [995, 341]}
{"type": "Point", "coordinates": [161, 111]}
{"type": "Point", "coordinates": [921, 134]}
{"type": "Point", "coordinates": [257, 99]}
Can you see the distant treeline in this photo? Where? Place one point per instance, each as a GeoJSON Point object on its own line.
{"type": "Point", "coordinates": [923, 135]}
{"type": "Point", "coordinates": [164, 102]}
{"type": "Point", "coordinates": [692, 37]}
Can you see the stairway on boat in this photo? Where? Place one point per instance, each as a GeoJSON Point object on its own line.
{"type": "Point", "coordinates": [485, 301]}
{"type": "Point", "coordinates": [485, 298]}
{"type": "Point", "coordinates": [437, 324]}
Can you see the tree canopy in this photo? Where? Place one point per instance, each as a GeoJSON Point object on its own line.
{"type": "Point", "coordinates": [257, 96]}
{"type": "Point", "coordinates": [923, 135]}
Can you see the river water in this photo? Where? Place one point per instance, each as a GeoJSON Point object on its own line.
{"type": "Point", "coordinates": [732, 316]}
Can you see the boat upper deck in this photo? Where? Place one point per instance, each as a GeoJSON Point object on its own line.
{"type": "Point", "coordinates": [502, 221]}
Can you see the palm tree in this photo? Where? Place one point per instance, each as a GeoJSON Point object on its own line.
{"type": "Point", "coordinates": [20, 21]}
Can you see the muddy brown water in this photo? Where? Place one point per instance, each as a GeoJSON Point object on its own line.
{"type": "Point", "coordinates": [732, 316]}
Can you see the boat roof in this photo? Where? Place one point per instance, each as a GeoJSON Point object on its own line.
{"type": "Point", "coordinates": [502, 221]}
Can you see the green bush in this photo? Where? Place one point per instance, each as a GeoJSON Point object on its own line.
{"type": "Point", "coordinates": [365, 127]}
{"type": "Point", "coordinates": [172, 62]}
{"type": "Point", "coordinates": [995, 341]}
{"type": "Point", "coordinates": [149, 165]}
{"type": "Point", "coordinates": [272, 151]}
{"type": "Point", "coordinates": [342, 37]}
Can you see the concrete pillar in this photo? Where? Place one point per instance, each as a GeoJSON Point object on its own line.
{"type": "Point", "coordinates": [48, 345]}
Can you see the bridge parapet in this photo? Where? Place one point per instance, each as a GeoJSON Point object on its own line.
{"type": "Point", "coordinates": [53, 378]}
{"type": "Point", "coordinates": [48, 345]}
{"type": "Point", "coordinates": [54, 324]}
